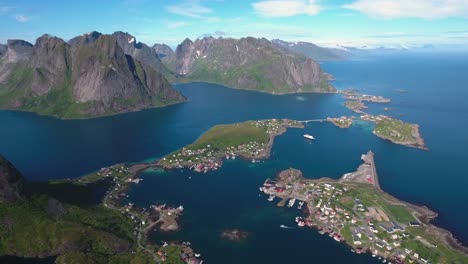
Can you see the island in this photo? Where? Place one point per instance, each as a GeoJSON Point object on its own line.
{"type": "Point", "coordinates": [355, 101]}
{"type": "Point", "coordinates": [387, 128]}
{"type": "Point", "coordinates": [250, 140]}
{"type": "Point", "coordinates": [341, 122]}
{"type": "Point", "coordinates": [234, 235]}
{"type": "Point", "coordinates": [354, 209]}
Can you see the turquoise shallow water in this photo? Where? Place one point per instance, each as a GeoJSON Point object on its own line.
{"type": "Point", "coordinates": [44, 148]}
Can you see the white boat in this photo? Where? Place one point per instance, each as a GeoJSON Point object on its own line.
{"type": "Point", "coordinates": [308, 136]}
{"type": "Point", "coordinates": [271, 198]}
{"type": "Point", "coordinates": [283, 226]}
{"type": "Point", "coordinates": [301, 203]}
{"type": "Point", "coordinates": [291, 202]}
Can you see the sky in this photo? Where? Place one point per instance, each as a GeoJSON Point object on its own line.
{"type": "Point", "coordinates": [324, 22]}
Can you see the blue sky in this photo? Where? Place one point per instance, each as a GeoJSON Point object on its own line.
{"type": "Point", "coordinates": [349, 22]}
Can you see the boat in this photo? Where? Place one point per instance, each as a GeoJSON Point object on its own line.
{"type": "Point", "coordinates": [301, 223]}
{"type": "Point", "coordinates": [308, 136]}
{"type": "Point", "coordinates": [291, 202]}
{"type": "Point", "coordinates": [261, 189]}
{"type": "Point", "coordinates": [197, 255]}
{"type": "Point", "coordinates": [283, 226]}
{"type": "Point", "coordinates": [301, 203]}
{"type": "Point", "coordinates": [271, 198]}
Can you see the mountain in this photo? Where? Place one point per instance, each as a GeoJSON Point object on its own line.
{"type": "Point", "coordinates": [89, 76]}
{"type": "Point", "coordinates": [312, 51]}
{"type": "Point", "coordinates": [11, 182]}
{"type": "Point", "coordinates": [247, 63]}
{"type": "Point", "coordinates": [163, 50]}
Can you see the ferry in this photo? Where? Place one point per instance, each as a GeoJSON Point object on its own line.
{"type": "Point", "coordinates": [308, 136]}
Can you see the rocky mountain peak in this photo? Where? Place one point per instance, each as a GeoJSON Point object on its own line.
{"type": "Point", "coordinates": [18, 50]}
{"type": "Point", "coordinates": [163, 50]}
{"type": "Point", "coordinates": [85, 39]}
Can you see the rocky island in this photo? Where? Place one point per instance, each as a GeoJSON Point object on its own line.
{"type": "Point", "coordinates": [355, 101]}
{"type": "Point", "coordinates": [251, 140]}
{"type": "Point", "coordinates": [234, 234]}
{"type": "Point", "coordinates": [341, 122]}
{"type": "Point", "coordinates": [355, 210]}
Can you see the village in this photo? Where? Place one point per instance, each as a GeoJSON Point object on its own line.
{"type": "Point", "coordinates": [162, 217]}
{"type": "Point", "coordinates": [251, 140]}
{"type": "Point", "coordinates": [354, 211]}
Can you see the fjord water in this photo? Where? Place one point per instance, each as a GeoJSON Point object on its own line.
{"type": "Point", "coordinates": [44, 148]}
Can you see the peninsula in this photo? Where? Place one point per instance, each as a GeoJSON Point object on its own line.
{"type": "Point", "coordinates": [355, 210]}
{"type": "Point", "coordinates": [251, 140]}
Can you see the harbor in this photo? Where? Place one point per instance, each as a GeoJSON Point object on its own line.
{"type": "Point", "coordinates": [354, 210]}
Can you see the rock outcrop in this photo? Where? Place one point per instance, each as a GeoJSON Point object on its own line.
{"type": "Point", "coordinates": [11, 182]}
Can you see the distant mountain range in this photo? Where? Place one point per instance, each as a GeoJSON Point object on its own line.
{"type": "Point", "coordinates": [313, 51]}
{"type": "Point", "coordinates": [91, 75]}
{"type": "Point", "coordinates": [247, 63]}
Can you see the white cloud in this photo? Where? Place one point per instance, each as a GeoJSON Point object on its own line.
{"type": "Point", "coordinates": [176, 24]}
{"type": "Point", "coordinates": [190, 9]}
{"type": "Point", "coordinates": [426, 9]}
{"type": "Point", "coordinates": [5, 9]}
{"type": "Point", "coordinates": [22, 18]}
{"type": "Point", "coordinates": [285, 8]}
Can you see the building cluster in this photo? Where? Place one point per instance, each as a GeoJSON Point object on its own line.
{"type": "Point", "coordinates": [336, 209]}
{"type": "Point", "coordinates": [208, 157]}
{"type": "Point", "coordinates": [186, 254]}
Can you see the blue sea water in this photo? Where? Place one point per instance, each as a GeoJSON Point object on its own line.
{"type": "Point", "coordinates": [437, 85]}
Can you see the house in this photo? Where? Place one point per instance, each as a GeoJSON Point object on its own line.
{"type": "Point", "coordinates": [397, 227]}
{"type": "Point", "coordinates": [356, 240]}
{"type": "Point", "coordinates": [379, 243]}
{"type": "Point", "coordinates": [387, 227]}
